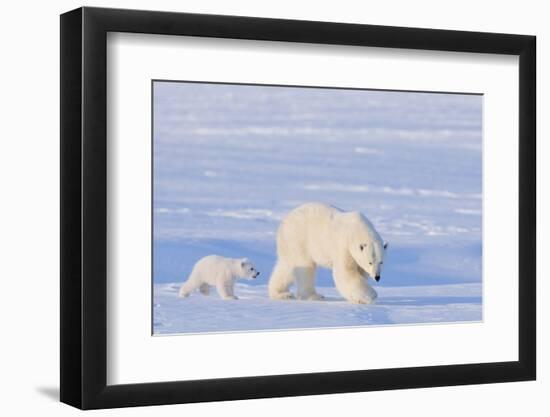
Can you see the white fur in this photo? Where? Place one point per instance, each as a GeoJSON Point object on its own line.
{"type": "Point", "coordinates": [315, 234]}
{"type": "Point", "coordinates": [220, 272]}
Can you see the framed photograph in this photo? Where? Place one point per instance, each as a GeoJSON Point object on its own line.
{"type": "Point", "coordinates": [257, 208]}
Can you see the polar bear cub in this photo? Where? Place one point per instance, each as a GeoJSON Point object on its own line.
{"type": "Point", "coordinates": [220, 272]}
{"type": "Point", "coordinates": [317, 235]}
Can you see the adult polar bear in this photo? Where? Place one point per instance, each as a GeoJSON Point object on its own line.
{"type": "Point", "coordinates": [315, 234]}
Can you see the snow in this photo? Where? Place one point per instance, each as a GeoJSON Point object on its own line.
{"type": "Point", "coordinates": [231, 160]}
{"type": "Point", "coordinates": [254, 311]}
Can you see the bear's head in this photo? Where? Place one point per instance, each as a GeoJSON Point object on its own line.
{"type": "Point", "coordinates": [365, 245]}
{"type": "Point", "coordinates": [247, 269]}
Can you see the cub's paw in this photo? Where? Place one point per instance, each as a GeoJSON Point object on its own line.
{"type": "Point", "coordinates": [231, 297]}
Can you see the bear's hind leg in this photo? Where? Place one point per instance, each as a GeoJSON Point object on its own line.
{"type": "Point", "coordinates": [305, 283]}
{"type": "Point", "coordinates": [279, 282]}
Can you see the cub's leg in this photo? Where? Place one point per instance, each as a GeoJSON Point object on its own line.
{"type": "Point", "coordinates": [353, 286]}
{"type": "Point", "coordinates": [305, 283]}
{"type": "Point", "coordinates": [279, 282]}
{"type": "Point", "coordinates": [225, 289]}
{"type": "Point", "coordinates": [204, 289]}
{"type": "Point", "coordinates": [188, 286]}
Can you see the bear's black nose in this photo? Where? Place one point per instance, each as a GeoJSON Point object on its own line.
{"type": "Point", "coordinates": [377, 278]}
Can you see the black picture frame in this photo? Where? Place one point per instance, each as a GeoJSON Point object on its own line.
{"type": "Point", "coordinates": [84, 207]}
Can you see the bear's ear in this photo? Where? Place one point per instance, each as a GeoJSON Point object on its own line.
{"type": "Point", "coordinates": [244, 261]}
{"type": "Point", "coordinates": [385, 245]}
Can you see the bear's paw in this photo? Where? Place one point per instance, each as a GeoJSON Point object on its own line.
{"type": "Point", "coordinates": [286, 295]}
{"type": "Point", "coordinates": [315, 297]}
{"type": "Point", "coordinates": [362, 300]}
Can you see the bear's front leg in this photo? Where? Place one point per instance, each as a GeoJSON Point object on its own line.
{"type": "Point", "coordinates": [225, 289]}
{"type": "Point", "coordinates": [353, 287]}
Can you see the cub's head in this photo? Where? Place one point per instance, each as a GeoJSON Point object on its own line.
{"type": "Point", "coordinates": [366, 246]}
{"type": "Point", "coordinates": [247, 269]}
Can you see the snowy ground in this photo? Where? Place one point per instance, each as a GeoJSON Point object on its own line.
{"type": "Point", "coordinates": [230, 161]}
{"type": "Point", "coordinates": [255, 311]}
